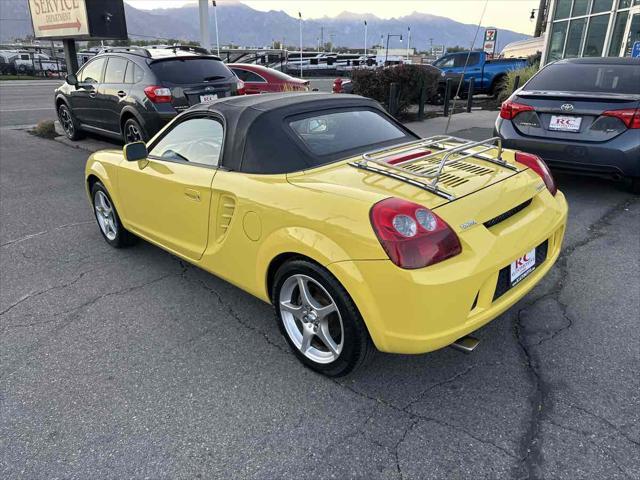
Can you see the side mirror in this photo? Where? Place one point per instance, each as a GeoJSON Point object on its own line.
{"type": "Point", "coordinates": [135, 151]}
{"type": "Point", "coordinates": [71, 79]}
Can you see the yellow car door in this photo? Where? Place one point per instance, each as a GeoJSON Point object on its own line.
{"type": "Point", "coordinates": [167, 197]}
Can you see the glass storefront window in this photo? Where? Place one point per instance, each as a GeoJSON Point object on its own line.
{"type": "Point", "coordinates": [595, 36]}
{"type": "Point", "coordinates": [574, 37]}
{"type": "Point", "coordinates": [556, 45]}
{"type": "Point", "coordinates": [601, 6]}
{"type": "Point", "coordinates": [634, 34]}
{"type": "Point", "coordinates": [624, 4]}
{"type": "Point", "coordinates": [563, 9]}
{"type": "Point", "coordinates": [580, 7]}
{"type": "Point", "coordinates": [618, 33]}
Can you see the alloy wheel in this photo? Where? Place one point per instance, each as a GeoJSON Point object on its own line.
{"type": "Point", "coordinates": [132, 133]}
{"type": "Point", "coordinates": [105, 215]}
{"type": "Point", "coordinates": [311, 319]}
{"type": "Point", "coordinates": [66, 121]}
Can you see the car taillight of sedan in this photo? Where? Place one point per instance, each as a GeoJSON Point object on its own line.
{"type": "Point", "coordinates": [509, 109]}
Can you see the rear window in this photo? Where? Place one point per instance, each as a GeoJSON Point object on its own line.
{"type": "Point", "coordinates": [182, 71]}
{"type": "Point", "coordinates": [574, 77]}
{"type": "Point", "coordinates": [345, 131]}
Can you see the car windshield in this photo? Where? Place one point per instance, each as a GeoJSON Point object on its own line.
{"type": "Point", "coordinates": [593, 78]}
{"type": "Point", "coordinates": [181, 71]}
{"type": "Point", "coordinates": [346, 131]}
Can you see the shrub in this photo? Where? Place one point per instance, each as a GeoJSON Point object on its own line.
{"type": "Point", "coordinates": [376, 83]}
{"type": "Point", "coordinates": [44, 129]}
{"type": "Point", "coordinates": [507, 86]}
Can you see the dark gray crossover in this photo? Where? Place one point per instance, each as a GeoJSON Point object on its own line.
{"type": "Point", "coordinates": [132, 92]}
{"type": "Point", "coordinates": [580, 114]}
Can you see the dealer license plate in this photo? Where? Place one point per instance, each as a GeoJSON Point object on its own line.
{"type": "Point", "coordinates": [523, 266]}
{"type": "Point", "coordinates": [208, 98]}
{"type": "Point", "coordinates": [565, 123]}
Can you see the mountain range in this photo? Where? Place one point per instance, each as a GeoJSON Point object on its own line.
{"type": "Point", "coordinates": [243, 26]}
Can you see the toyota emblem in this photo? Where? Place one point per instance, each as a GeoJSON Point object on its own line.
{"type": "Point", "coordinates": [567, 107]}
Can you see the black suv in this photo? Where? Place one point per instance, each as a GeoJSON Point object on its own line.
{"type": "Point", "coordinates": [131, 93]}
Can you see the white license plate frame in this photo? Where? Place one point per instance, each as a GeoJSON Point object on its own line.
{"type": "Point", "coordinates": [565, 123]}
{"type": "Point", "coordinates": [522, 267]}
{"type": "Point", "coordinates": [208, 98]}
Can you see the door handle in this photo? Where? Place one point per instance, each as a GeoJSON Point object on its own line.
{"type": "Point", "coordinates": [192, 194]}
{"type": "Point", "coordinates": [122, 93]}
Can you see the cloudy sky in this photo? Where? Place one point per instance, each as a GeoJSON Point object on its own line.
{"type": "Point", "coordinates": [510, 14]}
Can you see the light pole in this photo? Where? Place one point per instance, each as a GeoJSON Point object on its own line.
{"type": "Point", "coordinates": [215, 19]}
{"type": "Point", "coordinates": [408, 42]}
{"type": "Point", "coordinates": [203, 11]}
{"type": "Point", "coordinates": [300, 17]}
{"type": "Point", "coordinates": [365, 39]}
{"type": "Point", "coordinates": [331, 35]}
{"type": "Point", "coordinates": [386, 52]}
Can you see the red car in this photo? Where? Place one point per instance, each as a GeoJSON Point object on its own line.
{"type": "Point", "coordinates": [259, 79]}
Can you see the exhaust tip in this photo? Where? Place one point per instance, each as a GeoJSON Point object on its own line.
{"type": "Point", "coordinates": [466, 344]}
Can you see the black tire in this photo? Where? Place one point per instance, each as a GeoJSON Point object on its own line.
{"type": "Point", "coordinates": [132, 131]}
{"type": "Point", "coordinates": [357, 347]}
{"type": "Point", "coordinates": [121, 237]}
{"type": "Point", "coordinates": [69, 124]}
{"type": "Point", "coordinates": [635, 185]}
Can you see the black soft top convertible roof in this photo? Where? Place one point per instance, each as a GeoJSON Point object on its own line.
{"type": "Point", "coordinates": [258, 138]}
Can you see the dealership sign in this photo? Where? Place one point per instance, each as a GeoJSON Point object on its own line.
{"type": "Point", "coordinates": [490, 36]}
{"type": "Point", "coordinates": [78, 19]}
{"type": "Point", "coordinates": [59, 18]}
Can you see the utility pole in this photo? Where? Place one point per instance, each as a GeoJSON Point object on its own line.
{"type": "Point", "coordinates": [215, 17]}
{"type": "Point", "coordinates": [365, 38]}
{"type": "Point", "coordinates": [300, 17]}
{"type": "Point", "coordinates": [408, 43]}
{"type": "Point", "coordinates": [203, 6]}
{"type": "Point", "coordinates": [542, 11]}
{"type": "Point", "coordinates": [322, 37]}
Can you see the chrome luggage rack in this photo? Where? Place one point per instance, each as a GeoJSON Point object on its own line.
{"type": "Point", "coordinates": [374, 161]}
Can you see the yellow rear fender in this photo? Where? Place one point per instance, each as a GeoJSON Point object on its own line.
{"type": "Point", "coordinates": [289, 242]}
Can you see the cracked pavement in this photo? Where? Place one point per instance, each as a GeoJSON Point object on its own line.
{"type": "Point", "coordinates": [133, 364]}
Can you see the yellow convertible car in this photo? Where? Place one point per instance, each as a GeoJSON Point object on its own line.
{"type": "Point", "coordinates": [361, 234]}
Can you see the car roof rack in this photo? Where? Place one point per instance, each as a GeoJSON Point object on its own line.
{"type": "Point", "coordinates": [189, 48]}
{"type": "Point", "coordinates": [452, 149]}
{"type": "Point", "coordinates": [143, 52]}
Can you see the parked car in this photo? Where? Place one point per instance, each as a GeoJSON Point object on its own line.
{"type": "Point", "coordinates": [260, 79]}
{"type": "Point", "coordinates": [488, 74]}
{"type": "Point", "coordinates": [342, 85]}
{"type": "Point", "coordinates": [131, 93]}
{"type": "Point", "coordinates": [361, 234]}
{"type": "Point", "coordinates": [579, 114]}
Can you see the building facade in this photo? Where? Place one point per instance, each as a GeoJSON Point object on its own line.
{"type": "Point", "coordinates": [591, 28]}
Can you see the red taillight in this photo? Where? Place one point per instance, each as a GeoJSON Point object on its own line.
{"type": "Point", "coordinates": [536, 164]}
{"type": "Point", "coordinates": [509, 109]}
{"type": "Point", "coordinates": [412, 235]}
{"type": "Point", "coordinates": [240, 88]}
{"type": "Point", "coordinates": [158, 94]}
{"type": "Point", "coordinates": [629, 116]}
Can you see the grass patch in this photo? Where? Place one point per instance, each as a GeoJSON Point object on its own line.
{"type": "Point", "coordinates": [525, 74]}
{"type": "Point", "coordinates": [44, 129]}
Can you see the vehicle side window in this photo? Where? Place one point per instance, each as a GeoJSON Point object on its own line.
{"type": "Point", "coordinates": [460, 60]}
{"type": "Point", "coordinates": [24, 57]}
{"type": "Point", "coordinates": [197, 140]}
{"type": "Point", "coordinates": [446, 62]}
{"type": "Point", "coordinates": [247, 76]}
{"type": "Point", "coordinates": [115, 70]}
{"type": "Point", "coordinates": [138, 74]}
{"type": "Point", "coordinates": [128, 76]}
{"type": "Point", "coordinates": [92, 72]}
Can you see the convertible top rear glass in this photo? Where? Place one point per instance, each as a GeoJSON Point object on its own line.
{"type": "Point", "coordinates": [261, 135]}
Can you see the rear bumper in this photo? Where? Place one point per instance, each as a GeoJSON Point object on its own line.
{"type": "Point", "coordinates": [417, 311]}
{"type": "Point", "coordinates": [619, 156]}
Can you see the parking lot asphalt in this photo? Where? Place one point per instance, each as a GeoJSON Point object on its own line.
{"type": "Point", "coordinates": [24, 102]}
{"type": "Point", "coordinates": [132, 364]}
